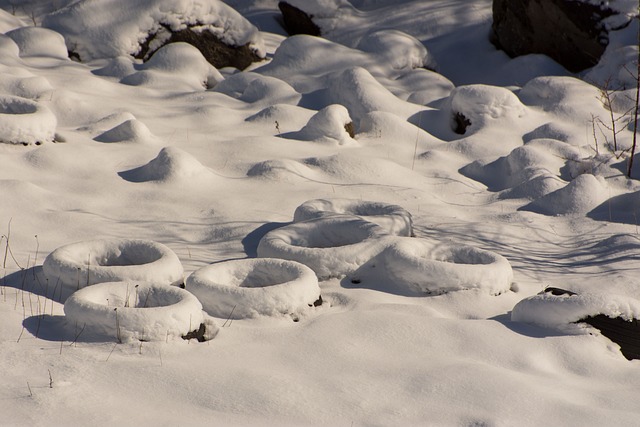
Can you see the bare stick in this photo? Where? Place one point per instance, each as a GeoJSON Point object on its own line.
{"type": "Point", "coordinates": [230, 314]}
{"type": "Point", "coordinates": [50, 379]}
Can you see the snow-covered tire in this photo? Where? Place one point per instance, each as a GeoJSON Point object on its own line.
{"type": "Point", "coordinates": [85, 263]}
{"type": "Point", "coordinates": [430, 267]}
{"type": "Point", "coordinates": [23, 121]}
{"type": "Point", "coordinates": [331, 246]}
{"type": "Point", "coordinates": [135, 310]}
{"type": "Point", "coordinates": [393, 218]}
{"type": "Point", "coordinates": [251, 287]}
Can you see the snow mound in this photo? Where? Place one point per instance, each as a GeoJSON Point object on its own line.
{"type": "Point", "coordinates": [400, 50]}
{"type": "Point", "coordinates": [570, 98]}
{"type": "Point", "coordinates": [37, 41]}
{"type": "Point", "coordinates": [285, 170]}
{"type": "Point", "coordinates": [547, 309]}
{"type": "Point", "coordinates": [361, 93]}
{"type": "Point", "coordinates": [251, 287]}
{"type": "Point", "coordinates": [257, 89]}
{"type": "Point", "coordinates": [578, 197]}
{"type": "Point", "coordinates": [387, 126]}
{"type": "Point", "coordinates": [8, 47]}
{"type": "Point", "coordinates": [534, 188]}
{"type": "Point", "coordinates": [107, 123]}
{"type": "Point", "coordinates": [9, 21]}
{"type": "Point", "coordinates": [551, 130]}
{"type": "Point", "coordinates": [111, 260]}
{"type": "Point", "coordinates": [423, 266]}
{"type": "Point", "coordinates": [135, 310]}
{"type": "Point", "coordinates": [393, 219]}
{"type": "Point", "coordinates": [129, 131]}
{"type": "Point", "coordinates": [478, 104]}
{"type": "Point", "coordinates": [331, 246]}
{"type": "Point", "coordinates": [119, 67]}
{"type": "Point", "coordinates": [23, 121]}
{"type": "Point", "coordinates": [521, 165]}
{"type": "Point", "coordinates": [332, 124]}
{"type": "Point", "coordinates": [175, 62]}
{"type": "Point", "coordinates": [171, 164]}
{"type": "Point", "coordinates": [423, 86]}
{"type": "Point", "coordinates": [23, 84]}
{"type": "Point", "coordinates": [289, 117]}
{"type": "Point", "coordinates": [107, 29]}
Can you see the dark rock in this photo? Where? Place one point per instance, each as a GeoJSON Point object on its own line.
{"type": "Point", "coordinates": [297, 21]}
{"type": "Point", "coordinates": [215, 51]}
{"type": "Point", "coordinates": [624, 333]}
{"type": "Point", "coordinates": [350, 129]}
{"type": "Point", "coordinates": [196, 334]}
{"type": "Point", "coordinates": [557, 291]}
{"type": "Point", "coordinates": [569, 31]}
{"type": "Point", "coordinates": [460, 123]}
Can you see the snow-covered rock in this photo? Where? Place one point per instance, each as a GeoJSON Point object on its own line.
{"type": "Point", "coordinates": [547, 309]}
{"type": "Point", "coordinates": [86, 263]}
{"type": "Point", "coordinates": [251, 287]}
{"type": "Point", "coordinates": [472, 106]}
{"type": "Point", "coordinates": [136, 310]}
{"type": "Point", "coordinates": [106, 29]}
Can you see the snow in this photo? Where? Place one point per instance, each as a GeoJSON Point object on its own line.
{"type": "Point", "coordinates": [81, 264]}
{"type": "Point", "coordinates": [331, 246]}
{"type": "Point", "coordinates": [251, 287]}
{"type": "Point", "coordinates": [23, 121]}
{"type": "Point", "coordinates": [561, 310]}
{"type": "Point", "coordinates": [427, 246]}
{"type": "Point", "coordinates": [393, 218]}
{"type": "Point", "coordinates": [104, 29]}
{"type": "Point", "coordinates": [131, 310]}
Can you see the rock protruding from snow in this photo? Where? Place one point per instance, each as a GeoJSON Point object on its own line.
{"type": "Point", "coordinates": [547, 309]}
{"type": "Point", "coordinates": [473, 106]}
{"type": "Point", "coordinates": [107, 29]}
{"type": "Point", "coordinates": [578, 197]}
{"type": "Point", "coordinates": [136, 310]}
{"type": "Point", "coordinates": [422, 266]}
{"type": "Point", "coordinates": [37, 41]}
{"type": "Point", "coordinates": [171, 164]}
{"type": "Point", "coordinates": [110, 260]}
{"type": "Point", "coordinates": [570, 32]}
{"type": "Point", "coordinates": [331, 247]}
{"type": "Point", "coordinates": [393, 218]}
{"type": "Point", "coordinates": [251, 287]}
{"type": "Point", "coordinates": [332, 124]}
{"type": "Point", "coordinates": [23, 121]}
{"type": "Point", "coordinates": [297, 21]}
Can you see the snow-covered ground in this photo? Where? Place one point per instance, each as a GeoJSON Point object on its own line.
{"type": "Point", "coordinates": [424, 240]}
